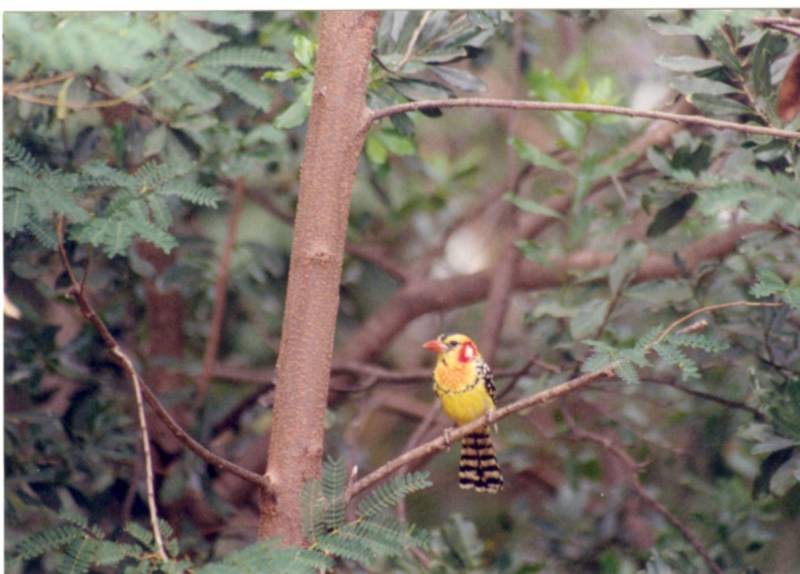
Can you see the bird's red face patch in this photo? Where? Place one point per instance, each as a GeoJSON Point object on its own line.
{"type": "Point", "coordinates": [467, 352]}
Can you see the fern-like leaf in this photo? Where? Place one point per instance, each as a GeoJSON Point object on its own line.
{"type": "Point", "coordinates": [190, 191]}
{"type": "Point", "coordinates": [153, 174]}
{"type": "Point", "coordinates": [334, 480]}
{"type": "Point", "coordinates": [675, 356]}
{"type": "Point", "coordinates": [390, 493]}
{"type": "Point", "coordinates": [18, 155]}
{"type": "Point", "coordinates": [79, 555]}
{"type": "Point", "coordinates": [346, 543]}
{"type": "Point", "coordinates": [241, 85]}
{"type": "Point", "coordinates": [45, 542]}
{"type": "Point", "coordinates": [195, 38]}
{"type": "Point", "coordinates": [243, 57]}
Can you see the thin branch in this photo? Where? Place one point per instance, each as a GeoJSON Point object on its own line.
{"type": "Point", "coordinates": [413, 41]}
{"type": "Point", "coordinates": [708, 396]}
{"type": "Point", "coordinates": [784, 28]}
{"type": "Point", "coordinates": [149, 396]}
{"type": "Point", "coordinates": [127, 365]}
{"type": "Point", "coordinates": [678, 322]}
{"type": "Point", "coordinates": [375, 115]}
{"type": "Point", "coordinates": [220, 294]}
{"type": "Point", "coordinates": [633, 469]}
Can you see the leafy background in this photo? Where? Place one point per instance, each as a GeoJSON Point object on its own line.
{"type": "Point", "coordinates": [152, 119]}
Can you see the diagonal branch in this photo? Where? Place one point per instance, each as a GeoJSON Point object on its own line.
{"type": "Point", "coordinates": [126, 363]}
{"type": "Point", "coordinates": [534, 105]}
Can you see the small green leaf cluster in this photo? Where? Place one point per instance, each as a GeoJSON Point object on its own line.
{"type": "Point", "coordinates": [770, 284]}
{"type": "Point", "coordinates": [80, 547]}
{"type": "Point", "coordinates": [670, 349]}
{"type": "Point", "coordinates": [34, 195]}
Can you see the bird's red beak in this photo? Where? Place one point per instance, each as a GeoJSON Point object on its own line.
{"type": "Point", "coordinates": [435, 346]}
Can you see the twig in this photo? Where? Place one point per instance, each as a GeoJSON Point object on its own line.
{"type": "Point", "coordinates": [633, 469]}
{"type": "Point", "coordinates": [708, 396]}
{"type": "Point", "coordinates": [220, 292]}
{"type": "Point", "coordinates": [127, 365]}
{"type": "Point", "coordinates": [375, 115]}
{"type": "Point", "coordinates": [413, 41]}
{"type": "Point", "coordinates": [677, 323]}
{"type": "Point", "coordinates": [122, 359]}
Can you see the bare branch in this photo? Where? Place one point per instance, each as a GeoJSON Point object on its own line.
{"type": "Point", "coordinates": [78, 292]}
{"type": "Point", "coordinates": [534, 105]}
{"type": "Point", "coordinates": [707, 396]}
{"type": "Point", "coordinates": [125, 362]}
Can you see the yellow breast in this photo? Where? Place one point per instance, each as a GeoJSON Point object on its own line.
{"type": "Point", "coordinates": [460, 404]}
{"type": "Point", "coordinates": [466, 406]}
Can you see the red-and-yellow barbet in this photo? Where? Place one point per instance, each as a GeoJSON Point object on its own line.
{"type": "Point", "coordinates": [463, 382]}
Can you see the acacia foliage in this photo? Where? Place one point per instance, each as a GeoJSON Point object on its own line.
{"type": "Point", "coordinates": [150, 116]}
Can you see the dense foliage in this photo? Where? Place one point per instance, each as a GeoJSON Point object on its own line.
{"type": "Point", "coordinates": [135, 130]}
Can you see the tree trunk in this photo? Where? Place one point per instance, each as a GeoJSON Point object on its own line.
{"type": "Point", "coordinates": [333, 146]}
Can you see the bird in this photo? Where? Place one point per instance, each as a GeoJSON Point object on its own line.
{"type": "Point", "coordinates": [464, 384]}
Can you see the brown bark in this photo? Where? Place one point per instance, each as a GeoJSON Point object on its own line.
{"type": "Point", "coordinates": [333, 145]}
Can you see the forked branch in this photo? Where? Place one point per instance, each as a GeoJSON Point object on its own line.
{"type": "Point", "coordinates": [126, 363]}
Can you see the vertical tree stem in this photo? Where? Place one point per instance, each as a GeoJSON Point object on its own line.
{"type": "Point", "coordinates": [333, 146]}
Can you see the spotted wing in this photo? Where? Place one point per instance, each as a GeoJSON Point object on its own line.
{"type": "Point", "coordinates": [485, 373]}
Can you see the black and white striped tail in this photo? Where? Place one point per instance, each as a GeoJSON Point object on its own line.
{"type": "Point", "coordinates": [478, 468]}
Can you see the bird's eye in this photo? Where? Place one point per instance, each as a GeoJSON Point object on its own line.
{"type": "Point", "coordinates": [452, 344]}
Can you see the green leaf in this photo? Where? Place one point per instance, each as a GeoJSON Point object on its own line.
{"type": "Point", "coordinates": [243, 57]}
{"type": "Point", "coordinates": [459, 79]}
{"type": "Point", "coordinates": [687, 63]}
{"type": "Point", "coordinates": [768, 283]}
{"type": "Point", "coordinates": [765, 52]}
{"type": "Point", "coordinates": [397, 143]}
{"type": "Point", "coordinates": [420, 90]}
{"type": "Point", "coordinates": [588, 319]}
{"type": "Point", "coordinates": [719, 105]}
{"type": "Point", "coordinates": [194, 37]}
{"type": "Point", "coordinates": [303, 50]}
{"type": "Point", "coordinates": [625, 265]}
{"type": "Point", "coordinates": [671, 215]}
{"type": "Point", "coordinates": [376, 151]}
{"type": "Point", "coordinates": [532, 206]}
{"type": "Point", "coordinates": [295, 114]}
{"type": "Point", "coordinates": [689, 85]}
{"type": "Point", "coordinates": [535, 156]}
